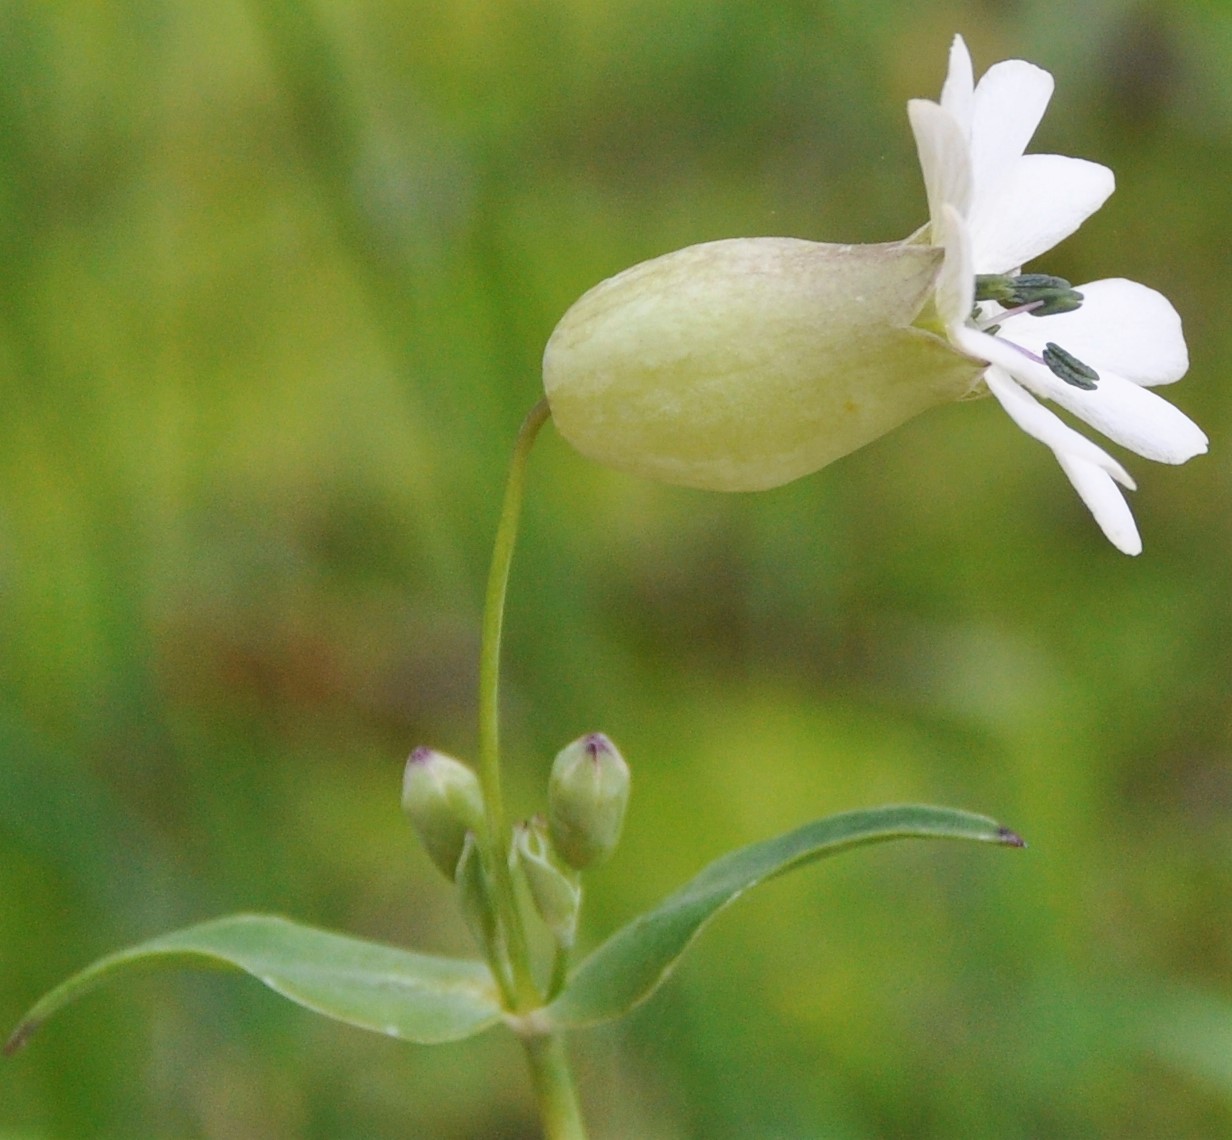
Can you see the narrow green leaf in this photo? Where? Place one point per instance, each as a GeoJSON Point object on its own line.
{"type": "Point", "coordinates": [416, 997]}
{"type": "Point", "coordinates": [632, 964]}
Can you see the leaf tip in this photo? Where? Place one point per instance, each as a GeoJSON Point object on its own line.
{"type": "Point", "coordinates": [18, 1038]}
{"type": "Point", "coordinates": [1010, 838]}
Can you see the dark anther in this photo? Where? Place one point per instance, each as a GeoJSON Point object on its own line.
{"type": "Point", "coordinates": [1069, 368]}
{"type": "Point", "coordinates": [1047, 294]}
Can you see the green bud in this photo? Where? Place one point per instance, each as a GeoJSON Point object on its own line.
{"type": "Point", "coordinates": [555, 890]}
{"type": "Point", "coordinates": [587, 795]}
{"type": "Point", "coordinates": [743, 364]}
{"type": "Point", "coordinates": [443, 800]}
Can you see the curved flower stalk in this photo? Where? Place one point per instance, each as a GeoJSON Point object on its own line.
{"type": "Point", "coordinates": [1093, 349]}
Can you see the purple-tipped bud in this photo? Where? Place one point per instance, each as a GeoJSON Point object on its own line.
{"type": "Point", "coordinates": [442, 798]}
{"type": "Point", "coordinates": [587, 795]}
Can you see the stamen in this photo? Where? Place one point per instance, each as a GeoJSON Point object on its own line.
{"type": "Point", "coordinates": [1061, 363]}
{"type": "Point", "coordinates": [1025, 351]}
{"type": "Point", "coordinates": [1047, 294]}
{"type": "Point", "coordinates": [984, 324]}
{"type": "Point", "coordinates": [1069, 368]}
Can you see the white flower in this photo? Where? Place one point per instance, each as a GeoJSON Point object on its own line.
{"type": "Point", "coordinates": [993, 208]}
{"type": "Point", "coordinates": [743, 364]}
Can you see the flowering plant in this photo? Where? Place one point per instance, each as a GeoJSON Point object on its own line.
{"type": "Point", "coordinates": [735, 365]}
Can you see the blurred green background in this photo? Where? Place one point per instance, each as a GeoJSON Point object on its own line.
{"type": "Point", "coordinates": [274, 281]}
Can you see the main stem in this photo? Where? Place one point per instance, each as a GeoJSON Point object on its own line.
{"type": "Point", "coordinates": [558, 1103]}
{"type": "Point", "coordinates": [549, 1065]}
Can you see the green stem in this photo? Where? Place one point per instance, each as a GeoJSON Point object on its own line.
{"type": "Point", "coordinates": [558, 1103]}
{"type": "Point", "coordinates": [549, 1064]}
{"type": "Point", "coordinates": [497, 840]}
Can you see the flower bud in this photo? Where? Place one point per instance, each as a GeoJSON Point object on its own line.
{"type": "Point", "coordinates": [587, 795]}
{"type": "Point", "coordinates": [554, 889]}
{"type": "Point", "coordinates": [443, 800]}
{"type": "Point", "coordinates": [740, 365]}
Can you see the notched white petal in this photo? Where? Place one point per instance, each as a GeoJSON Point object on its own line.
{"type": "Point", "coordinates": [1132, 416]}
{"type": "Point", "coordinates": [1043, 199]}
{"type": "Point", "coordinates": [1039, 423]}
{"type": "Point", "coordinates": [1104, 501]}
{"type": "Point", "coordinates": [959, 88]}
{"type": "Point", "coordinates": [1010, 100]}
{"type": "Point", "coordinates": [944, 159]}
{"type": "Point", "coordinates": [1123, 327]}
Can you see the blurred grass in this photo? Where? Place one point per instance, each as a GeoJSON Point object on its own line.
{"type": "Point", "coordinates": [274, 280]}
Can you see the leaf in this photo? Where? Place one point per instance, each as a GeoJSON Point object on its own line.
{"type": "Point", "coordinates": [417, 997]}
{"type": "Point", "coordinates": [632, 964]}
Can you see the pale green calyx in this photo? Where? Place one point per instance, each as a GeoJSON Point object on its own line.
{"type": "Point", "coordinates": [442, 798]}
{"type": "Point", "coordinates": [554, 888]}
{"type": "Point", "coordinates": [588, 792]}
{"type": "Point", "coordinates": [742, 364]}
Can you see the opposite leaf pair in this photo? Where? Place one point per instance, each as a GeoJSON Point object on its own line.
{"type": "Point", "coordinates": [429, 1000]}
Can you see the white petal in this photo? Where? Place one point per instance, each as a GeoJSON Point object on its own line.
{"type": "Point", "coordinates": [1043, 200]}
{"type": "Point", "coordinates": [1038, 422]}
{"type": "Point", "coordinates": [1127, 414]}
{"type": "Point", "coordinates": [944, 158]}
{"type": "Point", "coordinates": [1104, 501]}
{"type": "Point", "coordinates": [956, 95]}
{"type": "Point", "coordinates": [1122, 326]}
{"type": "Point", "coordinates": [955, 288]}
{"type": "Point", "coordinates": [1010, 100]}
